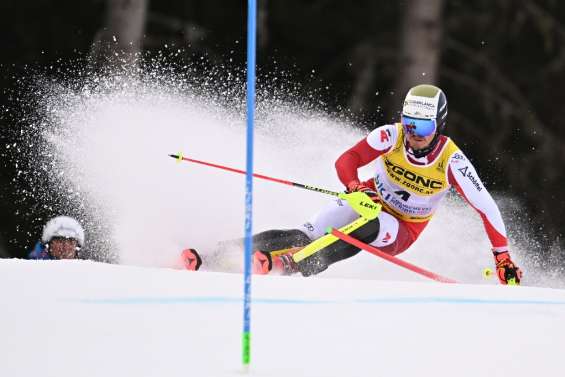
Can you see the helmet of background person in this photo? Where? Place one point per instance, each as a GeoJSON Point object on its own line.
{"type": "Point", "coordinates": [64, 227]}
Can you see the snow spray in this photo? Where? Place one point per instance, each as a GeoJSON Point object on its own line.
{"type": "Point", "coordinates": [105, 140]}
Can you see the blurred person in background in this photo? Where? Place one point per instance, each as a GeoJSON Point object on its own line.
{"type": "Point", "coordinates": [62, 238]}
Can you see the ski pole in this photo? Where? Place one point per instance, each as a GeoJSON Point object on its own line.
{"type": "Point", "coordinates": [180, 157]}
{"type": "Point", "coordinates": [399, 262]}
{"type": "Point", "coordinates": [359, 201]}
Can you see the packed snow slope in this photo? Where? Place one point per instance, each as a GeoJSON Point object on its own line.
{"type": "Point", "coordinates": [82, 318]}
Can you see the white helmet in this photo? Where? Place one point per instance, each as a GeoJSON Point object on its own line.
{"type": "Point", "coordinates": [63, 226]}
{"type": "Point", "coordinates": [427, 102]}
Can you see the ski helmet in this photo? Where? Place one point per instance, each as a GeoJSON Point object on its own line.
{"type": "Point", "coordinates": [63, 226]}
{"type": "Point", "coordinates": [427, 102]}
{"type": "Point", "coordinates": [425, 113]}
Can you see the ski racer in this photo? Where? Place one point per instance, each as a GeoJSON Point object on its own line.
{"type": "Point", "coordinates": [416, 164]}
{"type": "Point", "coordinates": [62, 238]}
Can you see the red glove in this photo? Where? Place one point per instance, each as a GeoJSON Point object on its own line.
{"type": "Point", "coordinates": [507, 271]}
{"type": "Point", "coordinates": [358, 186]}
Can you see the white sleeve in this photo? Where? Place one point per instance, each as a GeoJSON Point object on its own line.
{"type": "Point", "coordinates": [467, 182]}
{"type": "Point", "coordinates": [383, 137]}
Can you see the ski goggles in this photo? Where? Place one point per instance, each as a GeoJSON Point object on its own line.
{"type": "Point", "coordinates": [419, 127]}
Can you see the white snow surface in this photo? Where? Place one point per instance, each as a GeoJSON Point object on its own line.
{"type": "Point", "coordinates": [83, 318]}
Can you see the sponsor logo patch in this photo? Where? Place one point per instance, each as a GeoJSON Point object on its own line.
{"type": "Point", "coordinates": [441, 167]}
{"type": "Point", "coordinates": [419, 108]}
{"type": "Point", "coordinates": [414, 181]}
{"type": "Point", "coordinates": [464, 171]}
{"type": "Point", "coordinates": [309, 226]}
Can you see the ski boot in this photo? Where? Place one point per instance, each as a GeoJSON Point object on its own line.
{"type": "Point", "coordinates": [190, 259]}
{"type": "Point", "coordinates": [264, 263]}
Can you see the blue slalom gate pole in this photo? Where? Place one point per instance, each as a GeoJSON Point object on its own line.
{"type": "Point", "coordinates": [251, 51]}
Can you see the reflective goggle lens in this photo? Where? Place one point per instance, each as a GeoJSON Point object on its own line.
{"type": "Point", "coordinates": [419, 127]}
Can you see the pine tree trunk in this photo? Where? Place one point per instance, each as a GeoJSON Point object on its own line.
{"type": "Point", "coordinates": [120, 41]}
{"type": "Point", "coordinates": [420, 44]}
{"type": "Point", "coordinates": [262, 21]}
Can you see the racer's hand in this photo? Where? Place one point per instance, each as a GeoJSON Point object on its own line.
{"type": "Point", "coordinates": [506, 270]}
{"type": "Point", "coordinates": [354, 186]}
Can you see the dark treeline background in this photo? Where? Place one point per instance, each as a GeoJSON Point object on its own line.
{"type": "Point", "coordinates": [501, 63]}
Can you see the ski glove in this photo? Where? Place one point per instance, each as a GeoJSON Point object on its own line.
{"type": "Point", "coordinates": [507, 271]}
{"type": "Point", "coordinates": [354, 186]}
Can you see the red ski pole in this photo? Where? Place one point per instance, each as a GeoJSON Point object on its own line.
{"type": "Point", "coordinates": [359, 201]}
{"type": "Point", "coordinates": [180, 157]}
{"type": "Point", "coordinates": [373, 250]}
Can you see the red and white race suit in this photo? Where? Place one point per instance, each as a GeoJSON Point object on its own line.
{"type": "Point", "coordinates": [409, 188]}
